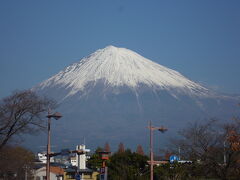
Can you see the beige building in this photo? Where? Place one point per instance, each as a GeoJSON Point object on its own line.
{"type": "Point", "coordinates": [86, 174]}
{"type": "Point", "coordinates": [56, 173]}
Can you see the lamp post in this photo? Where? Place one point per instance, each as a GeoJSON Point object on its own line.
{"type": "Point", "coordinates": [152, 128]}
{"type": "Point", "coordinates": [56, 116]}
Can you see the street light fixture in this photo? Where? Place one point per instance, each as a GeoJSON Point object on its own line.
{"type": "Point", "coordinates": [56, 116]}
{"type": "Point", "coordinates": [152, 128]}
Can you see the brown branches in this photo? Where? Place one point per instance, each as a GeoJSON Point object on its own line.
{"type": "Point", "coordinates": [21, 113]}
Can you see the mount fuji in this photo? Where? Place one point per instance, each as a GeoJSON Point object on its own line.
{"type": "Point", "coordinates": [111, 95]}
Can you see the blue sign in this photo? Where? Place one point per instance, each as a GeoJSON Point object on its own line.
{"type": "Point", "coordinates": [77, 177]}
{"type": "Point", "coordinates": [102, 177]}
{"type": "Point", "coordinates": [173, 158]}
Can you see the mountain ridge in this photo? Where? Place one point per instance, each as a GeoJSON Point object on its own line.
{"type": "Point", "coordinates": [117, 67]}
{"type": "Point", "coordinates": [96, 108]}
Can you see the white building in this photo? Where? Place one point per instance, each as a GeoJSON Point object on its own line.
{"type": "Point", "coordinates": [81, 158]}
{"type": "Point", "coordinates": [43, 158]}
{"type": "Point", "coordinates": [73, 161]}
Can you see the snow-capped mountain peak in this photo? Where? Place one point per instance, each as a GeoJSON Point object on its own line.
{"type": "Point", "coordinates": [113, 89]}
{"type": "Point", "coordinates": [120, 67]}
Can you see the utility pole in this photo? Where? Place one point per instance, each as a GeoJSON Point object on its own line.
{"type": "Point", "coordinates": [224, 155]}
{"type": "Point", "coordinates": [56, 116]}
{"type": "Point", "coordinates": [26, 173]}
{"type": "Point", "coordinates": [179, 152]}
{"type": "Point", "coordinates": [152, 128]}
{"type": "Point", "coordinates": [151, 150]}
{"type": "Point", "coordinates": [48, 148]}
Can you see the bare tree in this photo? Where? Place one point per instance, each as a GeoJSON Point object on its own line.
{"type": "Point", "coordinates": [21, 113]}
{"type": "Point", "coordinates": [214, 146]}
{"type": "Point", "coordinates": [231, 148]}
{"type": "Point", "coordinates": [199, 138]}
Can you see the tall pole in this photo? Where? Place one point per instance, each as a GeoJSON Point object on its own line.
{"type": "Point", "coordinates": [26, 173]}
{"type": "Point", "coordinates": [48, 148]}
{"type": "Point", "coordinates": [224, 155]}
{"type": "Point", "coordinates": [56, 116]}
{"type": "Point", "coordinates": [151, 150]}
{"type": "Point", "coordinates": [179, 152]}
{"type": "Point", "coordinates": [152, 128]}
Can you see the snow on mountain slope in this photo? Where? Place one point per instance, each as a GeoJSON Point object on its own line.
{"type": "Point", "coordinates": [113, 93]}
{"type": "Point", "coordinates": [121, 67]}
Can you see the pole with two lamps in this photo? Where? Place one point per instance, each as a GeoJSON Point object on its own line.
{"type": "Point", "coordinates": [56, 116]}
{"type": "Point", "coordinates": [152, 128]}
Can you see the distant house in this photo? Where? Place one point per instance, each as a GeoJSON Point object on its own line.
{"type": "Point", "coordinates": [43, 158]}
{"type": "Point", "coordinates": [73, 161]}
{"type": "Point", "coordinates": [56, 173]}
{"type": "Point", "coordinates": [75, 169]}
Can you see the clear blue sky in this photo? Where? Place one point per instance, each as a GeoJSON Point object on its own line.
{"type": "Point", "coordinates": [198, 38]}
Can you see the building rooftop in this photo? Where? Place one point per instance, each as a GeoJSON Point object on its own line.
{"type": "Point", "coordinates": [56, 170]}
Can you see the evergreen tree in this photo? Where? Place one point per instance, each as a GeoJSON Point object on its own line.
{"type": "Point", "coordinates": [95, 161]}
{"type": "Point", "coordinates": [128, 166]}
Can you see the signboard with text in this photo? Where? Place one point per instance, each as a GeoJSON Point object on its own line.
{"type": "Point", "coordinates": [173, 158]}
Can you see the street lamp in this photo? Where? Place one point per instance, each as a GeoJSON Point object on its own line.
{"type": "Point", "coordinates": [56, 116]}
{"type": "Point", "coordinates": [152, 128]}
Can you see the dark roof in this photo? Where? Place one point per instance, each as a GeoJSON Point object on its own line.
{"type": "Point", "coordinates": [58, 164]}
{"type": "Point", "coordinates": [54, 164]}
{"type": "Point", "coordinates": [38, 166]}
{"type": "Point", "coordinates": [74, 169]}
